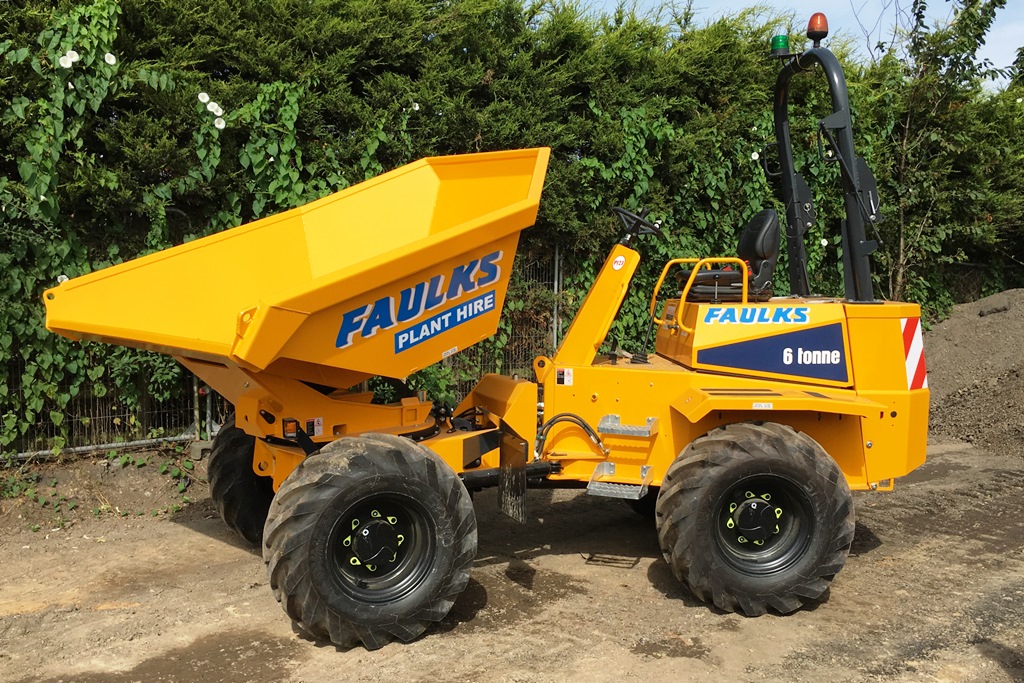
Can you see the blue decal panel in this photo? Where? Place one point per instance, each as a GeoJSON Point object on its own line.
{"type": "Point", "coordinates": [816, 353]}
{"type": "Point", "coordinates": [444, 321]}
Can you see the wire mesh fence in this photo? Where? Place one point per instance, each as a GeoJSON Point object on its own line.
{"type": "Point", "coordinates": [966, 281]}
{"type": "Point", "coordinates": [530, 327]}
{"type": "Point", "coordinates": [113, 417]}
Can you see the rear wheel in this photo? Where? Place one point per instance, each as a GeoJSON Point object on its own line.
{"type": "Point", "coordinates": [242, 497]}
{"type": "Point", "coordinates": [755, 516]}
{"type": "Point", "coordinates": [370, 540]}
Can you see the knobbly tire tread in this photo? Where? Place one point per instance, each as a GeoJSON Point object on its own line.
{"type": "Point", "coordinates": [702, 473]}
{"type": "Point", "coordinates": [342, 471]}
{"type": "Point", "coordinates": [241, 496]}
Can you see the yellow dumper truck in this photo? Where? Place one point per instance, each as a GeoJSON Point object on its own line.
{"type": "Point", "coordinates": [744, 432]}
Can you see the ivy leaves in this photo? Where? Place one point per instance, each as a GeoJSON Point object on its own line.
{"type": "Point", "coordinates": [62, 82]}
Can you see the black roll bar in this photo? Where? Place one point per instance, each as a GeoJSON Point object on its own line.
{"type": "Point", "coordinates": [856, 187]}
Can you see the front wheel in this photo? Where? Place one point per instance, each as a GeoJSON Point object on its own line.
{"type": "Point", "coordinates": [370, 540]}
{"type": "Point", "coordinates": [753, 516]}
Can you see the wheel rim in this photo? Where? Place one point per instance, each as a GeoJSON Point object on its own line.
{"type": "Point", "coordinates": [763, 524]}
{"type": "Point", "coordinates": [382, 548]}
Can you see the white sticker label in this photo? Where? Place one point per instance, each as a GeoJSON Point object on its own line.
{"type": "Point", "coordinates": [618, 263]}
{"type": "Point", "coordinates": [318, 426]}
{"type": "Point", "coordinates": [450, 352]}
{"type": "Point", "coordinates": [764, 406]}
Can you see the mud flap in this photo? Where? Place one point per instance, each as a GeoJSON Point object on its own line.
{"type": "Point", "coordinates": [512, 474]}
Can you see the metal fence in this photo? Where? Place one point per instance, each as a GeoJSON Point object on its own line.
{"type": "Point", "coordinates": [531, 332]}
{"type": "Point", "coordinates": [90, 420]}
{"type": "Point", "coordinates": [965, 281]}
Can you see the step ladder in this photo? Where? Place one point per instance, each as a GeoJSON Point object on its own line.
{"type": "Point", "coordinates": [597, 486]}
{"type": "Point", "coordinates": [610, 489]}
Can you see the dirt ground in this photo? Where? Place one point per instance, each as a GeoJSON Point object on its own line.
{"type": "Point", "coordinates": [127, 587]}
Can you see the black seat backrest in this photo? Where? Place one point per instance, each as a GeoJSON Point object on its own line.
{"type": "Point", "coordinates": [759, 247]}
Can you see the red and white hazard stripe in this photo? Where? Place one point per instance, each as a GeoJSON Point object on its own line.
{"type": "Point", "coordinates": [913, 352]}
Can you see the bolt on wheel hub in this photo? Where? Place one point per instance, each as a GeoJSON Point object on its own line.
{"type": "Point", "coordinates": [754, 519]}
{"type": "Point", "coordinates": [374, 543]}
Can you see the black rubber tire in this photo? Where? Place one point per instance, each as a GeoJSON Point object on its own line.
{"type": "Point", "coordinates": [314, 529]}
{"type": "Point", "coordinates": [242, 497]}
{"type": "Point", "coordinates": [699, 531]}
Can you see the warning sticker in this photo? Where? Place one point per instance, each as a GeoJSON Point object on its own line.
{"type": "Point", "coordinates": [564, 376]}
{"type": "Point", "coordinates": [315, 426]}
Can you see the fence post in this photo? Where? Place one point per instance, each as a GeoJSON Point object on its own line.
{"type": "Point", "coordinates": [195, 408]}
{"type": "Point", "coordinates": [554, 313]}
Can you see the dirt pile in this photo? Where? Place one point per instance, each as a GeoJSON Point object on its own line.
{"type": "Point", "coordinates": [975, 365]}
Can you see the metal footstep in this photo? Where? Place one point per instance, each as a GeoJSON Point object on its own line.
{"type": "Point", "coordinates": [608, 489]}
{"type": "Point", "coordinates": [612, 424]}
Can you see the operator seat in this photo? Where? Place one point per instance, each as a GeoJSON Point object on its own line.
{"type": "Point", "coordinates": [759, 247]}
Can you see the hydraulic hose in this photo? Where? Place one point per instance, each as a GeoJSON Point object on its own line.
{"type": "Point", "coordinates": [542, 434]}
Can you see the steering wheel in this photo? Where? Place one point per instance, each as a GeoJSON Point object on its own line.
{"type": "Point", "coordinates": [637, 225]}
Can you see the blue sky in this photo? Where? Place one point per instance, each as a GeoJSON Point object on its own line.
{"type": "Point", "coordinates": [1006, 35]}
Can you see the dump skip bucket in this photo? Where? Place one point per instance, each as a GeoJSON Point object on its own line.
{"type": "Point", "coordinates": [384, 278]}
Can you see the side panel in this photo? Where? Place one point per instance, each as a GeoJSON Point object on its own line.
{"type": "Point", "coordinates": [889, 367]}
{"type": "Point", "coordinates": [879, 354]}
{"type": "Point", "coordinates": [635, 395]}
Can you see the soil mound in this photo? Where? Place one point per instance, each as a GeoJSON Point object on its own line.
{"type": "Point", "coordinates": [975, 365]}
